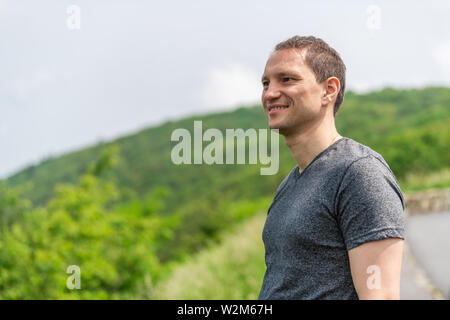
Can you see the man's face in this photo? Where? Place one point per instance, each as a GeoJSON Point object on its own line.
{"type": "Point", "coordinates": [291, 96]}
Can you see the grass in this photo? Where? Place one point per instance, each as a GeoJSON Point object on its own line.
{"type": "Point", "coordinates": [420, 182]}
{"type": "Point", "coordinates": [231, 270]}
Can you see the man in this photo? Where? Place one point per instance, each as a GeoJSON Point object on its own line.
{"type": "Point", "coordinates": [335, 227]}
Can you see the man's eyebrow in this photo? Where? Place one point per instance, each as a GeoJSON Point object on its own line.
{"type": "Point", "coordinates": [283, 74]}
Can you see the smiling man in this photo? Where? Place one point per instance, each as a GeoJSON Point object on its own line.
{"type": "Point", "coordinates": [335, 228]}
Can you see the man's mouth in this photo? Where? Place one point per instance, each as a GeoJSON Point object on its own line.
{"type": "Point", "coordinates": [277, 108]}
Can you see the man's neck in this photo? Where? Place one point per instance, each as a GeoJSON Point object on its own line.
{"type": "Point", "coordinates": [305, 146]}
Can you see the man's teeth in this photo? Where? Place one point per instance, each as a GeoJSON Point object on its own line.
{"type": "Point", "coordinates": [277, 108]}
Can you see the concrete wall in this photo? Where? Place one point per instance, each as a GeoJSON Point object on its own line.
{"type": "Point", "coordinates": [427, 201]}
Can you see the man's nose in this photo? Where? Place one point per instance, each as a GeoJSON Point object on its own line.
{"type": "Point", "coordinates": [272, 92]}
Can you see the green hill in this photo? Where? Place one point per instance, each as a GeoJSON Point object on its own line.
{"type": "Point", "coordinates": [134, 212]}
{"type": "Point", "coordinates": [410, 128]}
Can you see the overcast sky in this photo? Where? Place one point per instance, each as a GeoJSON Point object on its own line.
{"type": "Point", "coordinates": [66, 83]}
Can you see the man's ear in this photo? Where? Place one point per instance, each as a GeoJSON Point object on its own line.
{"type": "Point", "coordinates": [332, 86]}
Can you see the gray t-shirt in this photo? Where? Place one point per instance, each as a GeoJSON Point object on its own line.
{"type": "Point", "coordinates": [345, 197]}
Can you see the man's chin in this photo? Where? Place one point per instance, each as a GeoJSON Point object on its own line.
{"type": "Point", "coordinates": [283, 130]}
{"type": "Point", "coordinates": [275, 125]}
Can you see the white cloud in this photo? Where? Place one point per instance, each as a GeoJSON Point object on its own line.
{"type": "Point", "coordinates": [441, 55]}
{"type": "Point", "coordinates": [3, 131]}
{"type": "Point", "coordinates": [2, 5]}
{"type": "Point", "coordinates": [24, 86]}
{"type": "Point", "coordinates": [231, 86]}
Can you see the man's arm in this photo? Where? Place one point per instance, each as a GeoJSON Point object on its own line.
{"type": "Point", "coordinates": [376, 267]}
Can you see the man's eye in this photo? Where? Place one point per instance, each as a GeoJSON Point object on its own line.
{"type": "Point", "coordinates": [286, 79]}
{"type": "Point", "coordinates": [265, 83]}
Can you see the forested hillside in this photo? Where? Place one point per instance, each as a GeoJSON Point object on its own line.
{"type": "Point", "coordinates": [410, 128]}
{"type": "Point", "coordinates": [124, 213]}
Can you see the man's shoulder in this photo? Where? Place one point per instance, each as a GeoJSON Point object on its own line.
{"type": "Point", "coordinates": [364, 166]}
{"type": "Point", "coordinates": [354, 150]}
{"type": "Point", "coordinates": [351, 152]}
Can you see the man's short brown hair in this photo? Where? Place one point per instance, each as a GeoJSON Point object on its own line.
{"type": "Point", "coordinates": [324, 61]}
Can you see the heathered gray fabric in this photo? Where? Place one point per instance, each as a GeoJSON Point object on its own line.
{"type": "Point", "coordinates": [345, 197]}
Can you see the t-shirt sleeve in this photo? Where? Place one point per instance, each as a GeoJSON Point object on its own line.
{"type": "Point", "coordinates": [370, 204]}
